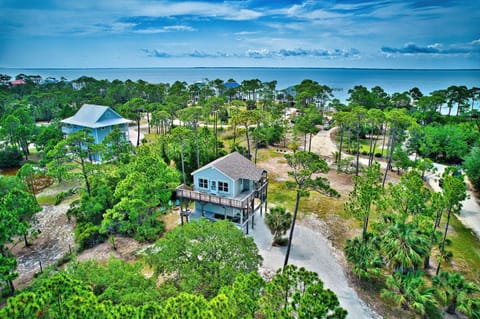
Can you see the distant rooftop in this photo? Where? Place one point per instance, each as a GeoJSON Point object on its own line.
{"type": "Point", "coordinates": [17, 82]}
{"type": "Point", "coordinates": [230, 85]}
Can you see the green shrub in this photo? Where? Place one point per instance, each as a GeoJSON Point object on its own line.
{"type": "Point", "coordinates": [62, 195]}
{"type": "Point", "coordinates": [281, 242]}
{"type": "Point", "coordinates": [87, 235]}
{"type": "Point", "coordinates": [11, 157]}
{"type": "Point", "coordinates": [149, 231]}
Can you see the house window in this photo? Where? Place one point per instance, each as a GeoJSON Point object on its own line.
{"type": "Point", "coordinates": [223, 187]}
{"type": "Point", "coordinates": [203, 183]}
{"type": "Point", "coordinates": [213, 186]}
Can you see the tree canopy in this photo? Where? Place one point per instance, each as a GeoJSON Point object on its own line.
{"type": "Point", "coordinates": [203, 256]}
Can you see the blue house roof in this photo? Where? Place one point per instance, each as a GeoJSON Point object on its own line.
{"type": "Point", "coordinates": [95, 116]}
{"type": "Point", "coordinates": [230, 85]}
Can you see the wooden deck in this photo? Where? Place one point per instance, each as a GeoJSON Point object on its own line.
{"type": "Point", "coordinates": [240, 202]}
{"type": "Point", "coordinates": [244, 201]}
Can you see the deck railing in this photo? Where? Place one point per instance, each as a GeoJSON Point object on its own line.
{"type": "Point", "coordinates": [184, 192]}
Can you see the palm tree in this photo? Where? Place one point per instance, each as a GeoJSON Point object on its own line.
{"type": "Point", "coordinates": [404, 247]}
{"type": "Point", "coordinates": [410, 291]}
{"type": "Point", "coordinates": [455, 292]}
{"type": "Point", "coordinates": [363, 254]}
{"type": "Point", "coordinates": [278, 221]}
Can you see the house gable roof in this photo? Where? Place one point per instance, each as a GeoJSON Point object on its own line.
{"type": "Point", "coordinates": [94, 116]}
{"type": "Point", "coordinates": [235, 166]}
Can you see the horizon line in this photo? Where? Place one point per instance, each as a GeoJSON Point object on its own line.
{"type": "Point", "coordinates": [237, 67]}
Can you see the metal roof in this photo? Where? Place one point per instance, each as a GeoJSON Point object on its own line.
{"type": "Point", "coordinates": [90, 115]}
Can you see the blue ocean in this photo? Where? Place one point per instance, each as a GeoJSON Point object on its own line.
{"type": "Point", "coordinates": [341, 80]}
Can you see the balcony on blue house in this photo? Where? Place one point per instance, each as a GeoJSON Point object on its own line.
{"type": "Point", "coordinates": [231, 187]}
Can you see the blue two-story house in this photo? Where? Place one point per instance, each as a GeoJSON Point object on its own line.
{"type": "Point", "coordinates": [98, 119]}
{"type": "Point", "coordinates": [231, 187]}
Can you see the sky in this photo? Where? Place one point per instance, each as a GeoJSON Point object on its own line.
{"type": "Point", "coordinates": [240, 33]}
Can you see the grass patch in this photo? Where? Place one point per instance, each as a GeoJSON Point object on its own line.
{"type": "Point", "coordinates": [466, 250]}
{"type": "Point", "coordinates": [364, 145]}
{"type": "Point", "coordinates": [46, 199]}
{"type": "Point", "coordinates": [265, 154]}
{"type": "Point", "coordinates": [279, 194]}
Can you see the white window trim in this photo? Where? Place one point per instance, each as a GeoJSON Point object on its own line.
{"type": "Point", "coordinates": [200, 179]}
{"type": "Point", "coordinates": [223, 187]}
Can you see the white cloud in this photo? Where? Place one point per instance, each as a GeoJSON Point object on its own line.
{"type": "Point", "coordinates": [245, 33]}
{"type": "Point", "coordinates": [258, 54]}
{"type": "Point", "coordinates": [171, 28]}
{"type": "Point", "coordinates": [224, 10]}
{"type": "Point", "coordinates": [179, 28]}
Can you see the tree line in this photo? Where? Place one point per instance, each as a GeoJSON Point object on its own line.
{"type": "Point", "coordinates": [191, 125]}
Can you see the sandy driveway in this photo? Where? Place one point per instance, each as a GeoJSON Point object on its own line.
{"type": "Point", "coordinates": [470, 214]}
{"type": "Point", "coordinates": [313, 251]}
{"type": "Point", "coordinates": [322, 143]}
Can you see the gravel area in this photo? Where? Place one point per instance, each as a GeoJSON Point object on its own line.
{"type": "Point", "coordinates": [54, 241]}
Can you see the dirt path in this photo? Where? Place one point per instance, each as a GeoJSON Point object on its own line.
{"type": "Point", "coordinates": [133, 132]}
{"type": "Point", "coordinates": [322, 143]}
{"type": "Point", "coordinates": [54, 242]}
